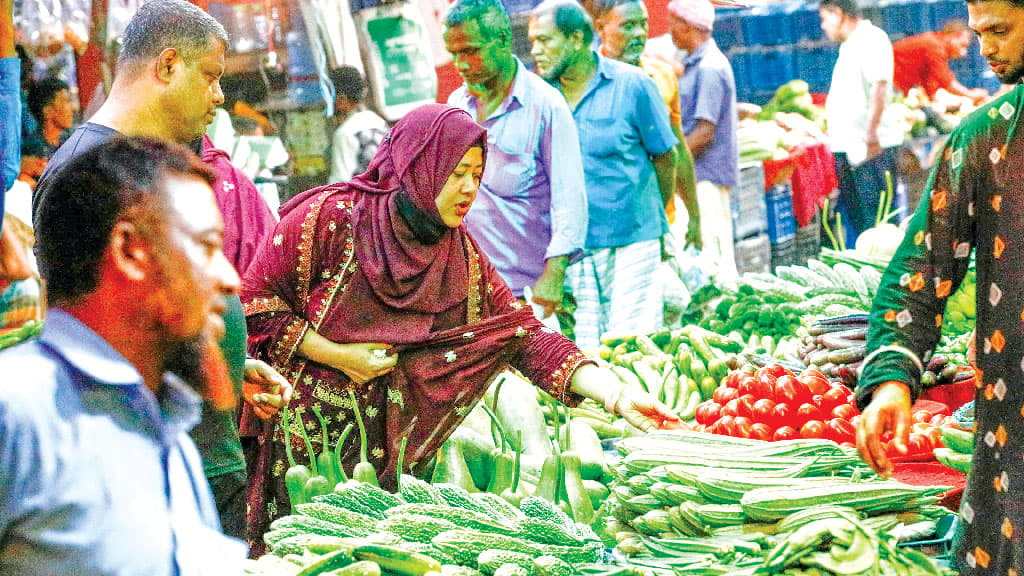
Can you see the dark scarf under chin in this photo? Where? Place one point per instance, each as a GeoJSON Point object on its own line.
{"type": "Point", "coordinates": [423, 227]}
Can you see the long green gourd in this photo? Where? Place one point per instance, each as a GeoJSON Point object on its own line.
{"type": "Point", "coordinates": [364, 470]}
{"type": "Point", "coordinates": [297, 475]}
{"type": "Point", "coordinates": [317, 483]}
{"type": "Point", "coordinates": [326, 461]}
{"type": "Point", "coordinates": [342, 476]}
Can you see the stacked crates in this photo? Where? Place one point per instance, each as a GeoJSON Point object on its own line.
{"type": "Point", "coordinates": [781, 224]}
{"type": "Point", "coordinates": [808, 239]}
{"type": "Point", "coordinates": [752, 247]}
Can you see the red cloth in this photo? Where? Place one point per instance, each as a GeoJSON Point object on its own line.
{"type": "Point", "coordinates": [812, 171]}
{"type": "Point", "coordinates": [248, 220]}
{"type": "Point", "coordinates": [922, 60]}
{"type": "Point", "coordinates": [314, 274]}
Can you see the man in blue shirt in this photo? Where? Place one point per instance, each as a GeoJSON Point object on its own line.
{"type": "Point", "coordinates": [10, 102]}
{"type": "Point", "coordinates": [707, 92]}
{"type": "Point", "coordinates": [99, 473]}
{"type": "Point", "coordinates": [530, 217]}
{"type": "Point", "coordinates": [629, 164]}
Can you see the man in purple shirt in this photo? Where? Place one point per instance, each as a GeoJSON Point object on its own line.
{"type": "Point", "coordinates": [707, 92]}
{"type": "Point", "coordinates": [530, 216]}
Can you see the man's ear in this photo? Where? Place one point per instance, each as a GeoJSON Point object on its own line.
{"type": "Point", "coordinates": [129, 252]}
{"type": "Point", "coordinates": [166, 63]}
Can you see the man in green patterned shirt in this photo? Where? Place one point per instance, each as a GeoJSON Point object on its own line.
{"type": "Point", "coordinates": [974, 202]}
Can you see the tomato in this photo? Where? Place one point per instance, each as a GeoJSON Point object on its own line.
{"type": "Point", "coordinates": [746, 385]}
{"type": "Point", "coordinates": [782, 415]}
{"type": "Point", "coordinates": [940, 419]}
{"type": "Point", "coordinates": [833, 397]}
{"type": "Point", "coordinates": [851, 399]}
{"type": "Point", "coordinates": [776, 370]}
{"type": "Point", "coordinates": [812, 429]}
{"type": "Point", "coordinates": [724, 425]}
{"type": "Point", "coordinates": [732, 380]}
{"type": "Point", "coordinates": [761, 431]}
{"type": "Point", "coordinates": [790, 390]}
{"type": "Point", "coordinates": [844, 411]}
{"type": "Point", "coordinates": [747, 405]}
{"type": "Point", "coordinates": [707, 412]}
{"type": "Point", "coordinates": [839, 430]}
{"type": "Point", "coordinates": [742, 425]}
{"type": "Point", "coordinates": [921, 416]}
{"type": "Point", "coordinates": [762, 411]}
{"type": "Point", "coordinates": [919, 444]}
{"type": "Point", "coordinates": [764, 386]}
{"type": "Point", "coordinates": [731, 408]}
{"type": "Point", "coordinates": [815, 381]}
{"type": "Point", "coordinates": [785, 433]}
{"type": "Point", "coordinates": [935, 435]}
{"type": "Point", "coordinates": [723, 394]}
{"type": "Point", "coordinates": [808, 411]}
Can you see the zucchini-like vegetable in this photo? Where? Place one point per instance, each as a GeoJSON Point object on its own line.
{"type": "Point", "coordinates": [955, 460]}
{"type": "Point", "coordinates": [396, 560]}
{"type": "Point", "coordinates": [515, 493]}
{"type": "Point", "coordinates": [961, 441]}
{"type": "Point", "coordinates": [364, 470]}
{"type": "Point", "coordinates": [516, 408]}
{"type": "Point", "coordinates": [297, 475]}
{"type": "Point", "coordinates": [327, 463]}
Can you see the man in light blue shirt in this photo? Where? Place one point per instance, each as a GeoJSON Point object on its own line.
{"type": "Point", "coordinates": [10, 102]}
{"type": "Point", "coordinates": [629, 162]}
{"type": "Point", "coordinates": [100, 475]}
{"type": "Point", "coordinates": [530, 216]}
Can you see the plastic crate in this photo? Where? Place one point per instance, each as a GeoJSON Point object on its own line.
{"type": "Point", "coordinates": [808, 240]}
{"type": "Point", "coordinates": [771, 68]}
{"type": "Point", "coordinates": [942, 11]}
{"type": "Point", "coordinates": [728, 31]}
{"type": "Point", "coordinates": [747, 205]}
{"type": "Point", "coordinates": [739, 60]}
{"type": "Point", "coordinates": [784, 253]}
{"type": "Point", "coordinates": [805, 22]}
{"type": "Point", "coordinates": [905, 17]}
{"type": "Point", "coordinates": [753, 254]}
{"type": "Point", "coordinates": [767, 26]}
{"type": "Point", "coordinates": [779, 204]}
{"type": "Point", "coordinates": [814, 64]}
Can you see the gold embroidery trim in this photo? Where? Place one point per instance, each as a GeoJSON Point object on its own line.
{"type": "Point", "coordinates": [285, 349]}
{"type": "Point", "coordinates": [265, 305]}
{"type": "Point", "coordinates": [473, 311]}
{"type": "Point", "coordinates": [305, 247]}
{"type": "Point", "coordinates": [561, 378]}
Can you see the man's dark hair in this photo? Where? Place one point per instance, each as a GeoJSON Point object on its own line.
{"type": "Point", "coordinates": [490, 16]}
{"type": "Point", "coordinates": [42, 93]}
{"type": "Point", "coordinates": [848, 7]}
{"type": "Point", "coordinates": [162, 24]}
{"type": "Point", "coordinates": [600, 8]}
{"type": "Point", "coordinates": [348, 84]}
{"type": "Point", "coordinates": [80, 204]}
{"type": "Point", "coordinates": [569, 16]}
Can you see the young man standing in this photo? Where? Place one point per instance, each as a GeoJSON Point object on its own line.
{"type": "Point", "coordinates": [973, 205]}
{"type": "Point", "coordinates": [359, 131]}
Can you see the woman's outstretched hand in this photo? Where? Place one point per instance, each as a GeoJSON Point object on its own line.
{"type": "Point", "coordinates": [646, 413]}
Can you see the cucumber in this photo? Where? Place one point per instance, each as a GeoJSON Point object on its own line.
{"type": "Point", "coordinates": [955, 460]}
{"type": "Point", "coordinates": [957, 440]}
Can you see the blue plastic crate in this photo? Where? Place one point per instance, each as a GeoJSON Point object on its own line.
{"type": "Point", "coordinates": [942, 11]}
{"type": "Point", "coordinates": [814, 64]}
{"type": "Point", "coordinates": [805, 23]}
{"type": "Point", "coordinates": [740, 62]}
{"type": "Point", "coordinates": [779, 204]}
{"type": "Point", "coordinates": [905, 17]}
{"type": "Point", "coordinates": [767, 26]}
{"type": "Point", "coordinates": [769, 69]}
{"type": "Point", "coordinates": [728, 30]}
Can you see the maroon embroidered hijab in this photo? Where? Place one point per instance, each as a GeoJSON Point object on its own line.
{"type": "Point", "coordinates": [408, 281]}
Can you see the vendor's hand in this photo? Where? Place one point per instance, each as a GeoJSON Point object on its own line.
{"type": "Point", "coordinates": [889, 411]}
{"type": "Point", "coordinates": [693, 236]}
{"type": "Point", "coordinates": [874, 147]}
{"type": "Point", "coordinates": [645, 412]}
{"type": "Point", "coordinates": [264, 388]}
{"type": "Point", "coordinates": [364, 361]}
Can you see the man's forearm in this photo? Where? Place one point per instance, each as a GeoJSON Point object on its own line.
{"type": "Point", "coordinates": [686, 175]}
{"type": "Point", "coordinates": [665, 168]}
{"type": "Point", "coordinates": [875, 107]}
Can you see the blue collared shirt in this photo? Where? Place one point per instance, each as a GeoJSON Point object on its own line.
{"type": "Point", "coordinates": [99, 474]}
{"type": "Point", "coordinates": [622, 123]}
{"type": "Point", "coordinates": [707, 91]}
{"type": "Point", "coordinates": [531, 206]}
{"type": "Point", "coordinates": [10, 128]}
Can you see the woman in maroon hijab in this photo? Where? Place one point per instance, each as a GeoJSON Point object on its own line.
{"type": "Point", "coordinates": [374, 286]}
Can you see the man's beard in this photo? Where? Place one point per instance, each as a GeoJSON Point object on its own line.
{"type": "Point", "coordinates": [200, 364]}
{"type": "Point", "coordinates": [1013, 75]}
